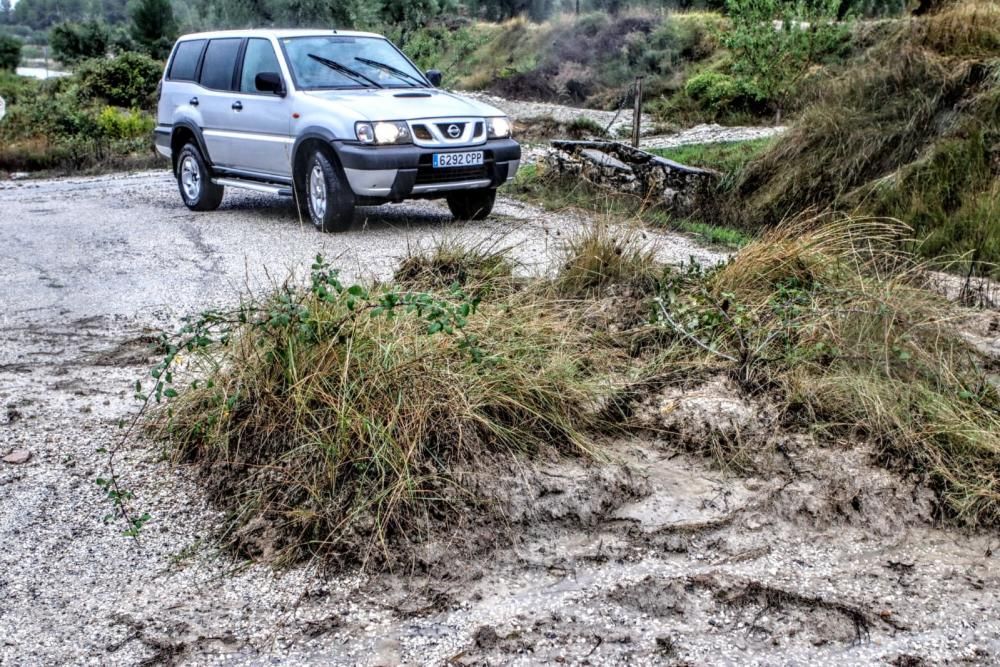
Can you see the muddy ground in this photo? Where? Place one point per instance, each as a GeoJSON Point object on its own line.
{"type": "Point", "coordinates": [651, 557]}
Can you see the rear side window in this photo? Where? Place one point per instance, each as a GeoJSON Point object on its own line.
{"type": "Point", "coordinates": [184, 66]}
{"type": "Point", "coordinates": [220, 63]}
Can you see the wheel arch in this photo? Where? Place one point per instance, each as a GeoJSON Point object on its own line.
{"type": "Point", "coordinates": [184, 133]}
{"type": "Point", "coordinates": [313, 138]}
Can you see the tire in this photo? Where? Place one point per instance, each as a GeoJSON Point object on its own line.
{"type": "Point", "coordinates": [328, 198]}
{"type": "Point", "coordinates": [472, 204]}
{"type": "Point", "coordinates": [194, 180]}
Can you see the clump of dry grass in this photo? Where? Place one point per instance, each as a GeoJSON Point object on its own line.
{"type": "Point", "coordinates": [337, 430]}
{"type": "Point", "coordinates": [482, 267]}
{"type": "Point", "coordinates": [601, 255]}
{"type": "Point", "coordinates": [834, 317]}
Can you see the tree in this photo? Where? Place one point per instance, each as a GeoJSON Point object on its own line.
{"type": "Point", "coordinates": [6, 12]}
{"type": "Point", "coordinates": [153, 27]}
{"type": "Point", "coordinates": [73, 42]}
{"type": "Point", "coordinates": [10, 53]}
{"type": "Point", "coordinates": [774, 43]}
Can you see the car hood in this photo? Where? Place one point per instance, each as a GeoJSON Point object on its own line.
{"type": "Point", "coordinates": [401, 103]}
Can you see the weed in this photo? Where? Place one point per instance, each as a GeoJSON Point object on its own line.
{"type": "Point", "coordinates": [601, 255]}
{"type": "Point", "coordinates": [482, 268]}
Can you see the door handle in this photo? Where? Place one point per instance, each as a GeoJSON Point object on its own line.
{"type": "Point", "coordinates": [237, 106]}
{"type": "Point", "coordinates": [193, 102]}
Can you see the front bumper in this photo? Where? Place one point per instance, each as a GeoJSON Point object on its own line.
{"type": "Point", "coordinates": [405, 172]}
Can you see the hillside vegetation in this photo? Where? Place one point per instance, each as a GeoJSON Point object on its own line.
{"type": "Point", "coordinates": [911, 130]}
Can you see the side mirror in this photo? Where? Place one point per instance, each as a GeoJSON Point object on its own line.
{"type": "Point", "coordinates": [270, 82]}
{"type": "Point", "coordinates": [434, 76]}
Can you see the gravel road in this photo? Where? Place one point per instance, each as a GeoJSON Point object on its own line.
{"type": "Point", "coordinates": [651, 559]}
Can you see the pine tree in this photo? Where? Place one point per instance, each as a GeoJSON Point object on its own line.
{"type": "Point", "coordinates": [153, 27]}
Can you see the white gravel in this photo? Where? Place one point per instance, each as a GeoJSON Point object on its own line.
{"type": "Point", "coordinates": [616, 121]}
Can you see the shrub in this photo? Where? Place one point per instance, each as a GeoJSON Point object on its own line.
{"type": "Point", "coordinates": [10, 53]}
{"type": "Point", "coordinates": [718, 92]}
{"type": "Point", "coordinates": [117, 124]}
{"type": "Point", "coordinates": [74, 42]}
{"type": "Point", "coordinates": [14, 88]}
{"type": "Point", "coordinates": [128, 80]}
{"type": "Point", "coordinates": [772, 61]}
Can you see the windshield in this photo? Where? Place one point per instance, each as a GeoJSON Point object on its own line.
{"type": "Point", "coordinates": [337, 61]}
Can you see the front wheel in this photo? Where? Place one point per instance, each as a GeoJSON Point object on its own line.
{"type": "Point", "coordinates": [472, 204]}
{"type": "Point", "coordinates": [195, 182]}
{"type": "Point", "coordinates": [328, 197]}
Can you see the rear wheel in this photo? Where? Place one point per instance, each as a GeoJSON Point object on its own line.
{"type": "Point", "coordinates": [472, 204]}
{"type": "Point", "coordinates": [327, 196]}
{"type": "Point", "coordinates": [195, 181]}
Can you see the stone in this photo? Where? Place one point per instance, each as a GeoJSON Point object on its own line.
{"type": "Point", "coordinates": [17, 457]}
{"type": "Point", "coordinates": [627, 170]}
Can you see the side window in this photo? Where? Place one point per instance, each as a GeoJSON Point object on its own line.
{"type": "Point", "coordinates": [259, 58]}
{"type": "Point", "coordinates": [220, 64]}
{"type": "Point", "coordinates": [184, 66]}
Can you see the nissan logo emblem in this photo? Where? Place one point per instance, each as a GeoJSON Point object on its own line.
{"type": "Point", "coordinates": [454, 131]}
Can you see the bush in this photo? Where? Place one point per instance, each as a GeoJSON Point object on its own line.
{"type": "Point", "coordinates": [14, 88]}
{"type": "Point", "coordinates": [117, 124]}
{"type": "Point", "coordinates": [718, 92]}
{"type": "Point", "coordinates": [74, 42]}
{"type": "Point", "coordinates": [128, 80]}
{"type": "Point", "coordinates": [772, 61]}
{"type": "Point", "coordinates": [10, 53]}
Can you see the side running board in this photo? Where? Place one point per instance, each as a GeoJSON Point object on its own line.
{"type": "Point", "coordinates": [267, 188]}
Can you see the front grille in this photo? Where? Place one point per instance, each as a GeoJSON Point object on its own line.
{"type": "Point", "coordinates": [443, 127]}
{"type": "Point", "coordinates": [426, 175]}
{"type": "Point", "coordinates": [421, 132]}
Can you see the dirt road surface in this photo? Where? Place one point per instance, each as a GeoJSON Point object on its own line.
{"type": "Point", "coordinates": [651, 559]}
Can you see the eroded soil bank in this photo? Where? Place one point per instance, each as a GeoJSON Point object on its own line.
{"type": "Point", "coordinates": [652, 557]}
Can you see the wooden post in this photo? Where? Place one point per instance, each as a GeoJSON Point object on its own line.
{"type": "Point", "coordinates": [637, 112]}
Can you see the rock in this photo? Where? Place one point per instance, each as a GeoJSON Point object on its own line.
{"type": "Point", "coordinates": [17, 457]}
{"type": "Point", "coordinates": [627, 170]}
{"type": "Point", "coordinates": [604, 160]}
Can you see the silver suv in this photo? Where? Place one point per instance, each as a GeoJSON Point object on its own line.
{"type": "Point", "coordinates": [332, 118]}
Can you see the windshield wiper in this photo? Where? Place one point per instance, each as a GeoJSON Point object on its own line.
{"type": "Point", "coordinates": [337, 67]}
{"type": "Point", "coordinates": [417, 83]}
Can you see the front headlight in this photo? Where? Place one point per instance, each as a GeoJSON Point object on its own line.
{"type": "Point", "coordinates": [498, 128]}
{"type": "Point", "coordinates": [383, 132]}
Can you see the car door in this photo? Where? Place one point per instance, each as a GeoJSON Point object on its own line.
{"type": "Point", "coordinates": [217, 96]}
{"type": "Point", "coordinates": [260, 120]}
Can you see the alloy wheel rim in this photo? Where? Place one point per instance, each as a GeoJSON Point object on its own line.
{"type": "Point", "coordinates": [190, 178]}
{"type": "Point", "coordinates": [317, 191]}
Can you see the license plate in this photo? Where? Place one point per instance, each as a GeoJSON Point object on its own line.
{"type": "Point", "coordinates": [470, 159]}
